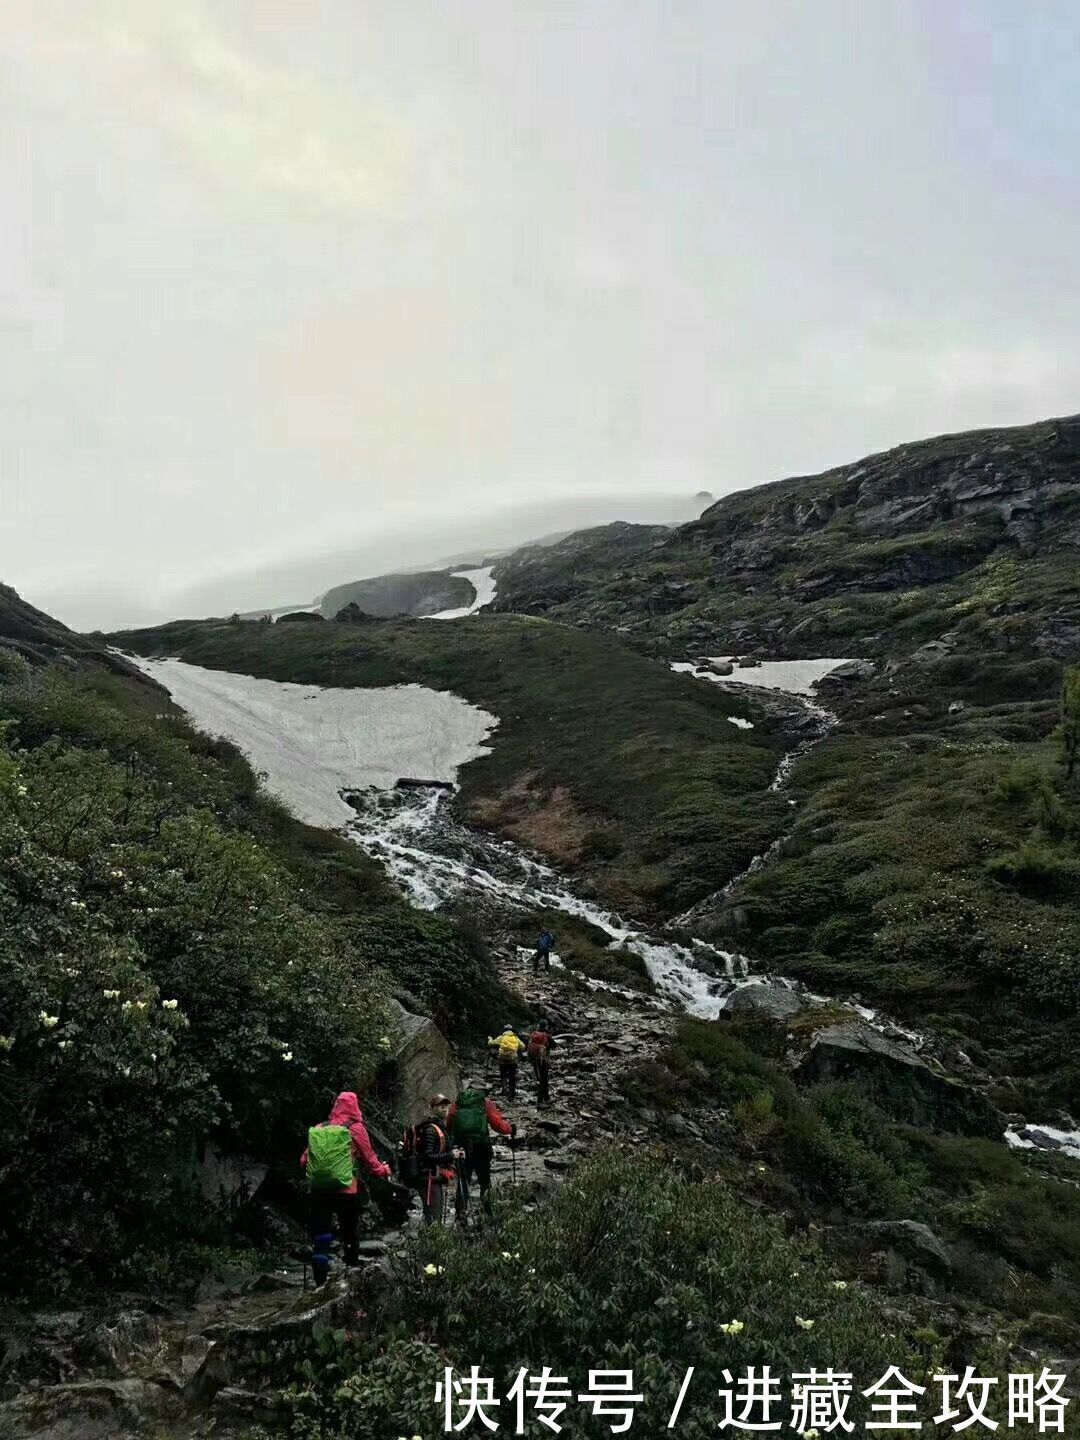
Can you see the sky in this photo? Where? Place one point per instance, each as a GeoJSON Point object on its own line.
{"type": "Point", "coordinates": [297, 290]}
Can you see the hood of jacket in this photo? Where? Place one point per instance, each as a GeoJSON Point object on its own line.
{"type": "Point", "coordinates": [346, 1110]}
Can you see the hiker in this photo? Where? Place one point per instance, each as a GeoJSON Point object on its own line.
{"type": "Point", "coordinates": [541, 1044]}
{"type": "Point", "coordinates": [545, 944]}
{"type": "Point", "coordinates": [470, 1116]}
{"type": "Point", "coordinates": [509, 1045]}
{"type": "Point", "coordinates": [427, 1159]}
{"type": "Point", "coordinates": [336, 1149]}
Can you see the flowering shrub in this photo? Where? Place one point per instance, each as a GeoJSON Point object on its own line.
{"type": "Point", "coordinates": [630, 1265]}
{"type": "Point", "coordinates": [162, 978]}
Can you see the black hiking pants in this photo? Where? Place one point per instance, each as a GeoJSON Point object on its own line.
{"type": "Point", "coordinates": [324, 1206]}
{"type": "Point", "coordinates": [508, 1077]}
{"type": "Point", "coordinates": [542, 957]}
{"type": "Point", "coordinates": [433, 1197]}
{"type": "Point", "coordinates": [475, 1161]}
{"type": "Point", "coordinates": [543, 1076]}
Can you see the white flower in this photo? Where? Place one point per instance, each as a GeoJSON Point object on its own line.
{"type": "Point", "coordinates": [22, 790]}
{"type": "Point", "coordinates": [111, 994]}
{"type": "Point", "coordinates": [141, 1004]}
{"type": "Point", "coordinates": [286, 1055]}
{"type": "Point", "coordinates": [839, 1284]}
{"type": "Point", "coordinates": [809, 1434]}
{"type": "Point", "coordinates": [7, 1042]}
{"type": "Point", "coordinates": [126, 1005]}
{"type": "Point", "coordinates": [431, 1270]}
{"type": "Point", "coordinates": [804, 1324]}
{"type": "Point", "coordinates": [169, 1004]}
{"type": "Point", "coordinates": [48, 1021]}
{"type": "Point", "coordinates": [62, 1044]}
{"type": "Point", "coordinates": [733, 1327]}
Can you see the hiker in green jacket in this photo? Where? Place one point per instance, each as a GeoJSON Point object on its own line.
{"type": "Point", "coordinates": [469, 1119]}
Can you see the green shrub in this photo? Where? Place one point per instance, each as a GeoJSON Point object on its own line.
{"type": "Point", "coordinates": [163, 978]}
{"type": "Point", "coordinates": [1037, 869]}
{"type": "Point", "coordinates": [630, 1265]}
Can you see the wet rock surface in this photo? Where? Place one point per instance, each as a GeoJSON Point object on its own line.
{"type": "Point", "coordinates": [902, 1083]}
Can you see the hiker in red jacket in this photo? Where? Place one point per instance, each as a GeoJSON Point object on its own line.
{"type": "Point", "coordinates": [332, 1188]}
{"type": "Point", "coordinates": [541, 1044]}
{"type": "Point", "coordinates": [470, 1117]}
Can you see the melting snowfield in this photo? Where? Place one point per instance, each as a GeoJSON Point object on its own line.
{"type": "Point", "coordinates": [314, 742]}
{"type": "Point", "coordinates": [483, 583]}
{"type": "Point", "coordinates": [797, 677]}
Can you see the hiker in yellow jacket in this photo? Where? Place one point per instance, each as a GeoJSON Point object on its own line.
{"type": "Point", "coordinates": [510, 1047]}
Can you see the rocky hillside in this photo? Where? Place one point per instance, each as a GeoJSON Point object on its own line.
{"type": "Point", "coordinates": [424, 593]}
{"type": "Point", "coordinates": [978, 532]}
{"type": "Point", "coordinates": [538, 577]}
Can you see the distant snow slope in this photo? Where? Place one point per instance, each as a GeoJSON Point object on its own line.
{"type": "Point", "coordinates": [314, 742]}
{"type": "Point", "coordinates": [483, 583]}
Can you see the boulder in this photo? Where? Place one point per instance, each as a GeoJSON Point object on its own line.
{"type": "Point", "coordinates": [300, 617]}
{"type": "Point", "coordinates": [914, 1240]}
{"type": "Point", "coordinates": [775, 1000]}
{"type": "Point", "coordinates": [88, 1410]}
{"type": "Point", "coordinates": [849, 671]}
{"type": "Point", "coordinates": [931, 651]}
{"type": "Point", "coordinates": [425, 1063]}
{"type": "Point", "coordinates": [902, 1084]}
{"type": "Point", "coordinates": [226, 1179]}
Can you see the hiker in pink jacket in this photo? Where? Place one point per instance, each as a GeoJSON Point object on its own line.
{"type": "Point", "coordinates": [337, 1198]}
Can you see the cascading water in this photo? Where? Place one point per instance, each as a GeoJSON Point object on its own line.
{"type": "Point", "coordinates": [435, 859]}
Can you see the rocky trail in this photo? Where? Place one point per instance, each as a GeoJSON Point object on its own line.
{"type": "Point", "coordinates": [207, 1367]}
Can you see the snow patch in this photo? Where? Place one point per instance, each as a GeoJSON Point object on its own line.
{"type": "Point", "coordinates": [313, 742]}
{"type": "Point", "coordinates": [483, 582]}
{"type": "Point", "coordinates": [797, 677]}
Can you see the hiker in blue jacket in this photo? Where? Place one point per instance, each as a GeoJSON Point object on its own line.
{"type": "Point", "coordinates": [544, 946]}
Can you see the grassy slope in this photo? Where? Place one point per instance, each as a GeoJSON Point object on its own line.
{"type": "Point", "coordinates": [602, 758]}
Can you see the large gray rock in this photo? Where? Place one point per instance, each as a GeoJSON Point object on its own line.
{"type": "Point", "coordinates": [775, 1000]}
{"type": "Point", "coordinates": [849, 671]}
{"type": "Point", "coordinates": [226, 1179]}
{"type": "Point", "coordinates": [425, 1062]}
{"type": "Point", "coordinates": [913, 1240]}
{"type": "Point", "coordinates": [901, 1083]}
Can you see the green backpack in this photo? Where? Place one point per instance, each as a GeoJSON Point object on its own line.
{"type": "Point", "coordinates": [329, 1158]}
{"type": "Point", "coordinates": [470, 1122]}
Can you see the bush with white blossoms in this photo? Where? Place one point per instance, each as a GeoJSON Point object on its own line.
{"type": "Point", "coordinates": [146, 935]}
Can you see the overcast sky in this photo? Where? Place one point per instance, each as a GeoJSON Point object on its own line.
{"type": "Point", "coordinates": [285, 279]}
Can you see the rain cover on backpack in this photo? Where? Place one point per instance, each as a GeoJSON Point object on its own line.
{"type": "Point", "coordinates": [330, 1158]}
{"type": "Point", "coordinates": [470, 1122]}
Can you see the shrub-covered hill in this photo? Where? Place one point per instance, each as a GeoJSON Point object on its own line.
{"type": "Point", "coordinates": [602, 759]}
{"type": "Point", "coordinates": [179, 960]}
{"type": "Point", "coordinates": [977, 532]}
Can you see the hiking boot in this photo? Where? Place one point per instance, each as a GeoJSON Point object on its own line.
{"type": "Point", "coordinates": [320, 1269]}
